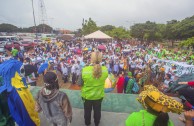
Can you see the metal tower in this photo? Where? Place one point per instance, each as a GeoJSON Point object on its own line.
{"type": "Point", "coordinates": [42, 14]}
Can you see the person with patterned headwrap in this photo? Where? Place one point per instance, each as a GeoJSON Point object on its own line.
{"type": "Point", "coordinates": [157, 105]}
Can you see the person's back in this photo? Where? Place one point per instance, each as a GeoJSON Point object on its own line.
{"type": "Point", "coordinates": [54, 113]}
{"type": "Point", "coordinates": [142, 118]}
{"type": "Point", "coordinates": [92, 91]}
{"type": "Point", "coordinates": [93, 88]}
{"type": "Point", "coordinates": [120, 83]}
{"type": "Point", "coordinates": [157, 106]}
{"type": "Point", "coordinates": [54, 103]}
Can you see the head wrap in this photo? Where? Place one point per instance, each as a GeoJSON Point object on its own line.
{"type": "Point", "coordinates": [129, 74]}
{"type": "Point", "coordinates": [153, 98]}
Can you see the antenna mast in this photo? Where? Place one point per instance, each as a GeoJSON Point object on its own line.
{"type": "Point", "coordinates": [42, 15]}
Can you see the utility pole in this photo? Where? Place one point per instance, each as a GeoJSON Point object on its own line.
{"type": "Point", "coordinates": [35, 29]}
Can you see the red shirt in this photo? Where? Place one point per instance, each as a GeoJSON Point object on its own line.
{"type": "Point", "coordinates": [191, 83]}
{"type": "Point", "coordinates": [120, 84]}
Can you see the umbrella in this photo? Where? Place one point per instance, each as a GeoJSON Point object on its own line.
{"type": "Point", "coordinates": [29, 69]}
{"type": "Point", "coordinates": [102, 47]}
{"type": "Point", "coordinates": [42, 68]}
{"type": "Point", "coordinates": [85, 49]}
{"type": "Point", "coordinates": [89, 49]}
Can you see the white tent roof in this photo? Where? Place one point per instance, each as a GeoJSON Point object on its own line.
{"type": "Point", "coordinates": [97, 35]}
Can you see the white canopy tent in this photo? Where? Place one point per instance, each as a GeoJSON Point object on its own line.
{"type": "Point", "coordinates": [97, 35]}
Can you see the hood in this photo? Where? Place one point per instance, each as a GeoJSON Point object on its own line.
{"type": "Point", "coordinates": [49, 95]}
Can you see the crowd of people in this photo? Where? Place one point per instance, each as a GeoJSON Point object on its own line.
{"type": "Point", "coordinates": [139, 64]}
{"type": "Point", "coordinates": [135, 67]}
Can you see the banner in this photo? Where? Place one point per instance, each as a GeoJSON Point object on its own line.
{"type": "Point", "coordinates": [181, 67]}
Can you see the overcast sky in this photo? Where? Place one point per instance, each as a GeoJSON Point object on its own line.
{"type": "Point", "coordinates": [68, 14]}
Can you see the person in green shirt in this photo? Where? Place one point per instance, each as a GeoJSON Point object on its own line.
{"type": "Point", "coordinates": [157, 105]}
{"type": "Point", "coordinates": [92, 80]}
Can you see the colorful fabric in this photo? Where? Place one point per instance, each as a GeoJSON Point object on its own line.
{"type": "Point", "coordinates": [20, 101]}
{"type": "Point", "coordinates": [160, 102]}
{"type": "Point", "coordinates": [130, 86]}
{"type": "Point", "coordinates": [18, 110]}
{"type": "Point", "coordinates": [142, 118]}
{"type": "Point", "coordinates": [26, 97]}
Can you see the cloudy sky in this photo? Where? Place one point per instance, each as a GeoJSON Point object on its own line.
{"type": "Point", "coordinates": [68, 14]}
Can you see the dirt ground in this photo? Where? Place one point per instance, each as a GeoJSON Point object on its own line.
{"type": "Point", "coordinates": [61, 83]}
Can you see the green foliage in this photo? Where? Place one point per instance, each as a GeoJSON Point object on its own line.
{"type": "Point", "coordinates": [189, 42]}
{"type": "Point", "coordinates": [8, 28]}
{"type": "Point", "coordinates": [42, 28]}
{"type": "Point", "coordinates": [119, 33]}
{"type": "Point", "coordinates": [147, 31]}
{"type": "Point", "coordinates": [89, 26]}
{"type": "Point", "coordinates": [107, 28]}
{"type": "Point", "coordinates": [173, 30]}
{"type": "Point", "coordinates": [170, 31]}
{"type": "Point", "coordinates": [185, 28]}
{"type": "Point", "coordinates": [11, 28]}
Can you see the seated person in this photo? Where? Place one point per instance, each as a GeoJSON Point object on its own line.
{"type": "Point", "coordinates": [157, 105]}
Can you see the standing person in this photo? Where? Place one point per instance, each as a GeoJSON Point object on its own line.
{"type": "Point", "coordinates": [130, 84]}
{"type": "Point", "coordinates": [73, 72]}
{"type": "Point", "coordinates": [54, 103]}
{"type": "Point", "coordinates": [116, 68]}
{"type": "Point", "coordinates": [78, 70]}
{"type": "Point", "coordinates": [133, 65]}
{"type": "Point", "coordinates": [64, 72]}
{"type": "Point", "coordinates": [127, 77]}
{"type": "Point", "coordinates": [92, 91]}
{"type": "Point", "coordinates": [120, 83]}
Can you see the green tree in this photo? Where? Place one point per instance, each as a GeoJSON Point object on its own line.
{"type": "Point", "coordinates": [170, 31]}
{"type": "Point", "coordinates": [89, 26]}
{"type": "Point", "coordinates": [8, 28]}
{"type": "Point", "coordinates": [189, 42]}
{"type": "Point", "coordinates": [43, 28]}
{"type": "Point", "coordinates": [149, 31]}
{"type": "Point", "coordinates": [107, 28]}
{"type": "Point", "coordinates": [119, 33]}
{"type": "Point", "coordinates": [185, 28]}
